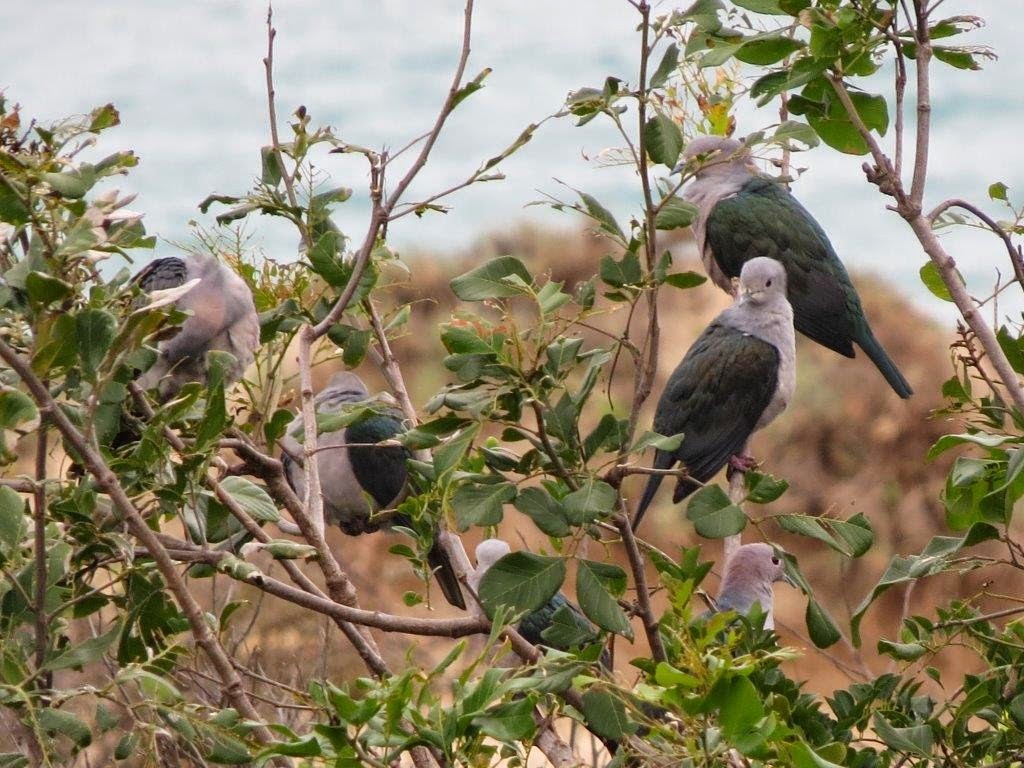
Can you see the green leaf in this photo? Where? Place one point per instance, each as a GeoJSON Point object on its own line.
{"type": "Point", "coordinates": [654, 440]}
{"type": "Point", "coordinates": [601, 215]}
{"type": "Point", "coordinates": [13, 523]}
{"type": "Point", "coordinates": [713, 515]}
{"type": "Point", "coordinates": [981, 439]}
{"type": "Point", "coordinates": [12, 207]}
{"type": "Point", "coordinates": [95, 330]}
{"type": "Point", "coordinates": [997, 191]}
{"type": "Point", "coordinates": [16, 408]}
{"type": "Point", "coordinates": [252, 498]}
{"type": "Point", "coordinates": [488, 281]}
{"type": "Point", "coordinates": [449, 454]}
{"type": "Point", "coordinates": [72, 184]}
{"type": "Point", "coordinates": [324, 258]}
{"type": "Point", "coordinates": [270, 170]}
{"type": "Point", "coordinates": [669, 63]}
{"type": "Point", "coordinates": [46, 289]}
{"type": "Point", "coordinates": [568, 630]}
{"type": "Point", "coordinates": [103, 117]}
{"type": "Point", "coordinates": [595, 583]}
{"type": "Point", "coordinates": [592, 500]}
{"type": "Point", "coordinates": [545, 511]}
{"type": "Point", "coordinates": [621, 273]}
{"type": "Point", "coordinates": [933, 281]}
{"type": "Point", "coordinates": [1013, 348]}
{"type": "Point", "coordinates": [902, 651]}
{"type": "Point", "coordinates": [675, 214]}
{"type": "Point", "coordinates": [915, 740]}
{"type": "Point", "coordinates": [606, 715]}
{"type": "Point", "coordinates": [57, 721]}
{"type": "Point", "coordinates": [663, 140]}
{"type": "Point", "coordinates": [86, 652]}
{"type": "Point", "coordinates": [521, 580]}
{"type": "Point", "coordinates": [510, 722]}
{"type": "Point", "coordinates": [741, 708]}
{"type": "Point", "coordinates": [763, 488]}
{"type": "Point", "coordinates": [762, 6]}
{"type": "Point", "coordinates": [820, 627]}
{"type": "Point", "coordinates": [481, 503]}
{"type": "Point", "coordinates": [767, 50]}
{"type": "Point", "coordinates": [685, 280]}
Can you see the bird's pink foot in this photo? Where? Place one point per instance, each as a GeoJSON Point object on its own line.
{"type": "Point", "coordinates": [742, 463]}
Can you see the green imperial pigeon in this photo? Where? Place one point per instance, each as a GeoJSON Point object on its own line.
{"type": "Point", "coordinates": [357, 477]}
{"type": "Point", "coordinates": [533, 625]}
{"type": "Point", "coordinates": [749, 578]}
{"type": "Point", "coordinates": [223, 318]}
{"type": "Point", "coordinates": [735, 379]}
{"type": "Point", "coordinates": [742, 215]}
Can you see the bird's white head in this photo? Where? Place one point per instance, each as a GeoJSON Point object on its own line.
{"type": "Point", "coordinates": [490, 551]}
{"type": "Point", "coordinates": [716, 155]}
{"type": "Point", "coordinates": [754, 565]}
{"type": "Point", "coordinates": [762, 281]}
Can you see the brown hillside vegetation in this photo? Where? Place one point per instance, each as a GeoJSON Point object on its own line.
{"type": "Point", "coordinates": [847, 444]}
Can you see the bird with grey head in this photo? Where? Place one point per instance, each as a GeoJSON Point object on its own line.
{"type": "Point", "coordinates": [359, 478]}
{"type": "Point", "coordinates": [750, 577]}
{"type": "Point", "coordinates": [743, 215]}
{"type": "Point", "coordinates": [223, 318]}
{"type": "Point", "coordinates": [735, 379]}
{"type": "Point", "coordinates": [533, 625]}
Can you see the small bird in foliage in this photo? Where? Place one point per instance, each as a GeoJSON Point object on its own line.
{"type": "Point", "coordinates": [749, 578]}
{"type": "Point", "coordinates": [223, 318]}
{"type": "Point", "coordinates": [735, 379]}
{"type": "Point", "coordinates": [533, 625]}
{"type": "Point", "coordinates": [359, 478]}
{"type": "Point", "coordinates": [742, 215]}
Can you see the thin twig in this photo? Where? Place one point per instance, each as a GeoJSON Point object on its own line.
{"type": "Point", "coordinates": [39, 523]}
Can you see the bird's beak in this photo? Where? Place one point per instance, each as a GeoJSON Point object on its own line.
{"type": "Point", "coordinates": [680, 167]}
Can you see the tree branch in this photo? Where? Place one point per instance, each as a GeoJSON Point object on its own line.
{"type": "Point", "coordinates": [636, 564]}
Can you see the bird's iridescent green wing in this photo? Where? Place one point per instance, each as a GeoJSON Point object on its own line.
{"type": "Point", "coordinates": [715, 397]}
{"type": "Point", "coordinates": [764, 219]}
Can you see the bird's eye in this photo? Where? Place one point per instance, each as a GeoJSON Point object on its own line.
{"type": "Point", "coordinates": [768, 284]}
{"type": "Point", "coordinates": [775, 561]}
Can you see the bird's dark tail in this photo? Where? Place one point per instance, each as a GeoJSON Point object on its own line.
{"type": "Point", "coordinates": [867, 341]}
{"type": "Point", "coordinates": [444, 572]}
{"type": "Point", "coordinates": [662, 460]}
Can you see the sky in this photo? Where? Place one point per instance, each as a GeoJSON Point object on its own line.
{"type": "Point", "coordinates": [188, 79]}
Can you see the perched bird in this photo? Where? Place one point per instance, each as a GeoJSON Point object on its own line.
{"type": "Point", "coordinates": [533, 625]}
{"type": "Point", "coordinates": [357, 477]}
{"type": "Point", "coordinates": [223, 318]}
{"type": "Point", "coordinates": [742, 215]}
{"type": "Point", "coordinates": [735, 379]}
{"type": "Point", "coordinates": [749, 578]}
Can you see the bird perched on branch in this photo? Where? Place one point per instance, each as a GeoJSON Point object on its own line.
{"type": "Point", "coordinates": [735, 379]}
{"type": "Point", "coordinates": [223, 318]}
{"type": "Point", "coordinates": [742, 215]}
{"type": "Point", "coordinates": [533, 625]}
{"type": "Point", "coordinates": [750, 575]}
{"type": "Point", "coordinates": [359, 478]}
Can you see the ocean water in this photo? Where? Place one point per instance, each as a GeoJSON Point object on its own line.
{"type": "Point", "coordinates": [188, 79]}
